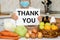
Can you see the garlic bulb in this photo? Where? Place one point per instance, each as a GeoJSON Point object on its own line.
{"type": "Point", "coordinates": [52, 20]}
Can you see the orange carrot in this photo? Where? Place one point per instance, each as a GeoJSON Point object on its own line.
{"type": "Point", "coordinates": [9, 34]}
{"type": "Point", "coordinates": [6, 37]}
{"type": "Point", "coordinates": [0, 34]}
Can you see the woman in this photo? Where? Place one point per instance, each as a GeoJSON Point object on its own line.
{"type": "Point", "coordinates": [10, 24]}
{"type": "Point", "coordinates": [25, 4]}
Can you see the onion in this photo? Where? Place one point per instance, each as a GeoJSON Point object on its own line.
{"type": "Point", "coordinates": [33, 35]}
{"type": "Point", "coordinates": [34, 30]}
{"type": "Point", "coordinates": [40, 35]}
{"type": "Point", "coordinates": [30, 32]}
{"type": "Point", "coordinates": [27, 35]}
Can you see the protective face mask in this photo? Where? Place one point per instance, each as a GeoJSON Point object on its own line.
{"type": "Point", "coordinates": [24, 3]}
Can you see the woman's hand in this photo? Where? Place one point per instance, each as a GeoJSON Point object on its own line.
{"type": "Point", "coordinates": [39, 18]}
{"type": "Point", "coordinates": [14, 16]}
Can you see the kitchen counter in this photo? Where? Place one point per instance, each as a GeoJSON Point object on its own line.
{"type": "Point", "coordinates": [58, 38]}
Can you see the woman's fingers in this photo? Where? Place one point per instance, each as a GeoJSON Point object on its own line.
{"type": "Point", "coordinates": [39, 18]}
{"type": "Point", "coordinates": [14, 16]}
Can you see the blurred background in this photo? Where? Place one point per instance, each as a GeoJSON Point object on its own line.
{"type": "Point", "coordinates": [9, 6]}
{"type": "Point", "coordinates": [12, 5]}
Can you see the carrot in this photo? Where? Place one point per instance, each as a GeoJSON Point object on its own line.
{"type": "Point", "coordinates": [5, 31]}
{"type": "Point", "coordinates": [9, 34]}
{"type": "Point", "coordinates": [6, 37]}
{"type": "Point", "coordinates": [0, 34]}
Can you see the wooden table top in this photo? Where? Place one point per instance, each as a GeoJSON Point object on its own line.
{"type": "Point", "coordinates": [4, 14]}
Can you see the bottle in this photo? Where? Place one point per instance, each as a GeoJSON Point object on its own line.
{"type": "Point", "coordinates": [42, 19]}
{"type": "Point", "coordinates": [46, 19]}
